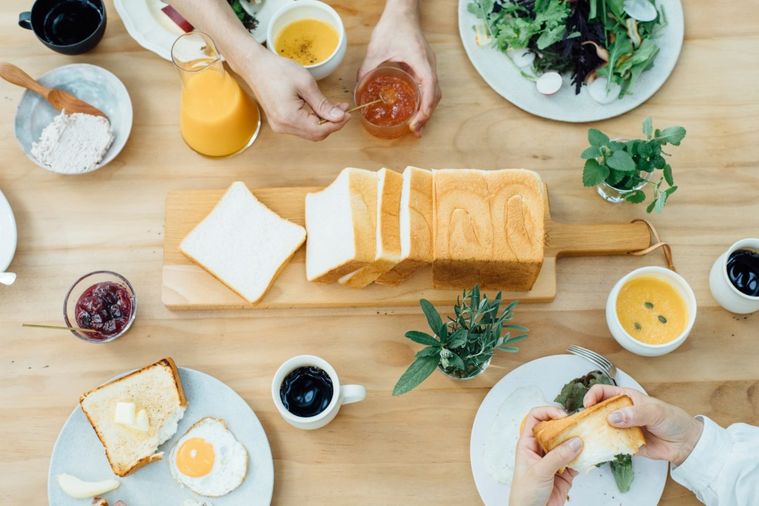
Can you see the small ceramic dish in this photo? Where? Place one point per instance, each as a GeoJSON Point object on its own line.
{"type": "Point", "coordinates": [310, 9]}
{"type": "Point", "coordinates": [90, 83]}
{"type": "Point", "coordinates": [723, 290]}
{"type": "Point", "coordinates": [629, 342]}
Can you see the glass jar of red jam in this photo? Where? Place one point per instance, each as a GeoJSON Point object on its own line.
{"type": "Point", "coordinates": [397, 95]}
{"type": "Point", "coordinates": [100, 307]}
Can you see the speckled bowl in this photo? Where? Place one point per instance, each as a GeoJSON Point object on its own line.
{"type": "Point", "coordinates": [90, 83]}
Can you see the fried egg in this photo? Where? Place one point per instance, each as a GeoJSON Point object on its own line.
{"type": "Point", "coordinates": [501, 443]}
{"type": "Point", "coordinates": [208, 459]}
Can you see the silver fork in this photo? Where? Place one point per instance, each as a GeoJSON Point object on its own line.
{"type": "Point", "coordinates": [603, 363]}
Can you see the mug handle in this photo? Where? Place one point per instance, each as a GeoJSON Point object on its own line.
{"type": "Point", "coordinates": [352, 393]}
{"type": "Point", "coordinates": [25, 20]}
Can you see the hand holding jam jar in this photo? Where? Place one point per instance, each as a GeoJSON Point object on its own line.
{"type": "Point", "coordinates": [397, 95]}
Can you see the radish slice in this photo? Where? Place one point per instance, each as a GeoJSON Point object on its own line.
{"type": "Point", "coordinates": [600, 93]}
{"type": "Point", "coordinates": [642, 10]}
{"type": "Point", "coordinates": [522, 58]}
{"type": "Point", "coordinates": [549, 83]}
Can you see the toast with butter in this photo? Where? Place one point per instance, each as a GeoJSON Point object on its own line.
{"type": "Point", "coordinates": [136, 413]}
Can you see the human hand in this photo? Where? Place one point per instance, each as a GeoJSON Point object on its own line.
{"type": "Point", "coordinates": [536, 482]}
{"type": "Point", "coordinates": [290, 97]}
{"type": "Point", "coordinates": [398, 38]}
{"type": "Point", "coordinates": [671, 433]}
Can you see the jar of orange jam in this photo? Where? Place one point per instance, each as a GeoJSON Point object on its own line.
{"type": "Point", "coordinates": [397, 95]}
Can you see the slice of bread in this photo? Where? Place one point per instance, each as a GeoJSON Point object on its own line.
{"type": "Point", "coordinates": [489, 228]}
{"type": "Point", "coordinates": [155, 388]}
{"type": "Point", "coordinates": [341, 221]}
{"type": "Point", "coordinates": [243, 243]}
{"type": "Point", "coordinates": [601, 441]}
{"type": "Point", "coordinates": [388, 241]}
{"type": "Point", "coordinates": [416, 226]}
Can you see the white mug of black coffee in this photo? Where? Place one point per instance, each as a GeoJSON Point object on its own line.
{"type": "Point", "coordinates": [66, 26]}
{"type": "Point", "coordinates": [308, 393]}
{"type": "Point", "coordinates": [734, 278]}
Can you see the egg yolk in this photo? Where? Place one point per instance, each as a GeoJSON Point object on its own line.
{"type": "Point", "coordinates": [195, 457]}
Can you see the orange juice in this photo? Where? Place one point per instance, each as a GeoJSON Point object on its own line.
{"type": "Point", "coordinates": [217, 118]}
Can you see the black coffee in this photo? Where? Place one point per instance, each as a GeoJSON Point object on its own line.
{"type": "Point", "coordinates": [307, 391]}
{"type": "Point", "coordinates": [70, 22]}
{"type": "Point", "coordinates": [743, 271]}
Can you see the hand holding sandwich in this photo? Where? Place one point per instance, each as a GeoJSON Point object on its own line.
{"type": "Point", "coordinates": [670, 433]}
{"type": "Point", "coordinates": [537, 481]}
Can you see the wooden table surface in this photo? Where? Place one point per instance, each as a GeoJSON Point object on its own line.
{"type": "Point", "coordinates": [408, 450]}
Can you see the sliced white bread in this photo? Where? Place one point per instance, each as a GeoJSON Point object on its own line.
{"type": "Point", "coordinates": [601, 441]}
{"type": "Point", "coordinates": [416, 226]}
{"type": "Point", "coordinates": [489, 228]}
{"type": "Point", "coordinates": [341, 221]}
{"type": "Point", "coordinates": [243, 243]}
{"type": "Point", "coordinates": [155, 388]}
{"type": "Point", "coordinates": [388, 241]}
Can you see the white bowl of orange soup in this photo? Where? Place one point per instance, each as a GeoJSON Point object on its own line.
{"type": "Point", "coordinates": [311, 34]}
{"type": "Point", "coordinates": [651, 311]}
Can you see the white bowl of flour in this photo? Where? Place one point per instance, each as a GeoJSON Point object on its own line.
{"type": "Point", "coordinates": [95, 86]}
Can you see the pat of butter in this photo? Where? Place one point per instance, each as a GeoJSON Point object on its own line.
{"type": "Point", "coordinates": [125, 413]}
{"type": "Point", "coordinates": [142, 423]}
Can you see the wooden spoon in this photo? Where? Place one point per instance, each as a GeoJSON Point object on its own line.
{"type": "Point", "coordinates": [59, 99]}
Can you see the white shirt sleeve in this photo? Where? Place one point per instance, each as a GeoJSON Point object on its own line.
{"type": "Point", "coordinates": [723, 468]}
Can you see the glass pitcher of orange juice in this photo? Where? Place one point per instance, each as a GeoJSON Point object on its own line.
{"type": "Point", "coordinates": [217, 117]}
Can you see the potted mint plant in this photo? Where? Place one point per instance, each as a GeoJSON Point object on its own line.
{"type": "Point", "coordinates": [462, 346]}
{"type": "Point", "coordinates": [622, 169]}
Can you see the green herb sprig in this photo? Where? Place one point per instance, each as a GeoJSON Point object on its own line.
{"type": "Point", "coordinates": [626, 165]}
{"type": "Point", "coordinates": [464, 344]}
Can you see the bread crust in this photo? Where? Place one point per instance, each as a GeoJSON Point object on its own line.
{"type": "Point", "coordinates": [552, 433]}
{"type": "Point", "coordinates": [119, 471]}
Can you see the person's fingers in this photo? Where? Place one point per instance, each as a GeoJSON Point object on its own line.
{"type": "Point", "coordinates": [640, 415]}
{"type": "Point", "coordinates": [598, 393]}
{"type": "Point", "coordinates": [559, 457]}
{"type": "Point", "coordinates": [320, 104]}
{"type": "Point", "coordinates": [540, 414]}
{"type": "Point", "coordinates": [431, 95]}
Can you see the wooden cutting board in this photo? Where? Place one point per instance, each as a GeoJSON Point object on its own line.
{"type": "Point", "coordinates": [186, 286]}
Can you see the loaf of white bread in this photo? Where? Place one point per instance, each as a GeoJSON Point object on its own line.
{"type": "Point", "coordinates": [156, 391]}
{"type": "Point", "coordinates": [601, 441]}
{"type": "Point", "coordinates": [474, 226]}
{"type": "Point", "coordinates": [488, 228]}
{"type": "Point", "coordinates": [243, 243]}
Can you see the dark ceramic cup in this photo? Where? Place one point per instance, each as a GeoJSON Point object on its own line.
{"type": "Point", "coordinates": [66, 26]}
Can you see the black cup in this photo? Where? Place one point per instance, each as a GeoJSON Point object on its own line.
{"type": "Point", "coordinates": [66, 26]}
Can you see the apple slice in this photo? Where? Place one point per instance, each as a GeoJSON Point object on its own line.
{"type": "Point", "coordinates": [80, 489]}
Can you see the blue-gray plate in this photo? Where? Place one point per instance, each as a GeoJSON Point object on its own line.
{"type": "Point", "coordinates": [78, 452]}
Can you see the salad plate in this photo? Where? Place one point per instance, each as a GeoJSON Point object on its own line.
{"type": "Point", "coordinates": [507, 79]}
{"type": "Point", "coordinates": [156, 32]}
{"type": "Point", "coordinates": [78, 451]}
{"type": "Point", "coordinates": [7, 233]}
{"type": "Point", "coordinates": [547, 375]}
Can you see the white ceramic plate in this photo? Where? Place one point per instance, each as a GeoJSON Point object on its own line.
{"type": "Point", "coordinates": [96, 86]}
{"type": "Point", "coordinates": [154, 31]}
{"type": "Point", "coordinates": [498, 72]}
{"type": "Point", "coordinates": [8, 235]}
{"type": "Point", "coordinates": [549, 374]}
{"type": "Point", "coordinates": [79, 452]}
